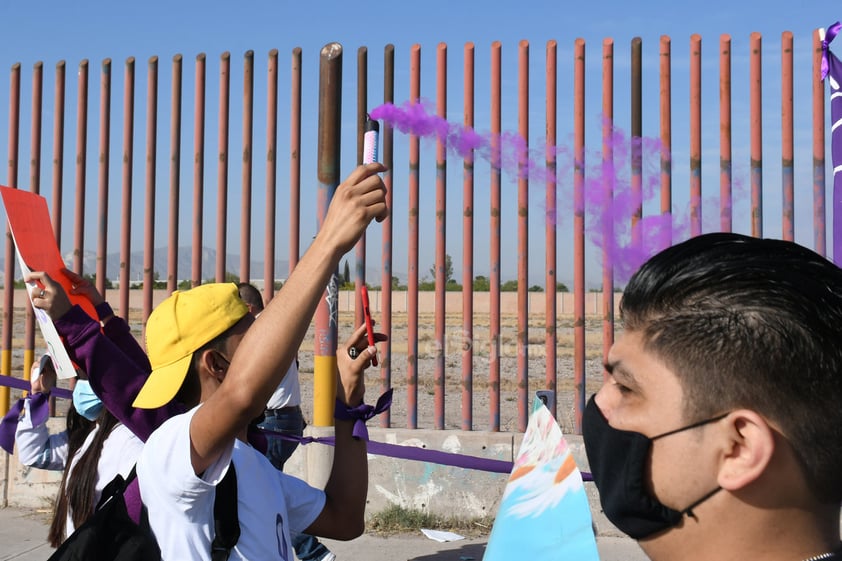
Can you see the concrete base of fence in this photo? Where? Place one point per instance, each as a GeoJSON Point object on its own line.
{"type": "Point", "coordinates": [434, 488]}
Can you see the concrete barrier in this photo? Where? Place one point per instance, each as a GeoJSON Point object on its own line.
{"type": "Point", "coordinates": [429, 487]}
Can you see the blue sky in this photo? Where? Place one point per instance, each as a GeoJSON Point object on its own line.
{"type": "Point", "coordinates": [95, 30]}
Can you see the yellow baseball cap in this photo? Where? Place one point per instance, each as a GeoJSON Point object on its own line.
{"type": "Point", "coordinates": [178, 327]}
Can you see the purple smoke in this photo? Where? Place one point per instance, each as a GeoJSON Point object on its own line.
{"type": "Point", "coordinates": [610, 202]}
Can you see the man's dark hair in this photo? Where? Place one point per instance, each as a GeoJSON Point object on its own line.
{"type": "Point", "coordinates": [750, 323]}
{"type": "Point", "coordinates": [251, 296]}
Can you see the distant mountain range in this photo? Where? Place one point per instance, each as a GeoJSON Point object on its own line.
{"type": "Point", "coordinates": [184, 265]}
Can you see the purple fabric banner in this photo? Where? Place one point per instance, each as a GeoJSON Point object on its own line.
{"type": "Point", "coordinates": [832, 71]}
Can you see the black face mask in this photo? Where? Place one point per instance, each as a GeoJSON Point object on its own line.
{"type": "Point", "coordinates": [618, 463]}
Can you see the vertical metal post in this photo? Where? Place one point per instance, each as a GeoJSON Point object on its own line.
{"type": "Point", "coordinates": [523, 238]}
{"type": "Point", "coordinates": [35, 187]}
{"type": "Point", "coordinates": [81, 164]}
{"type": "Point", "coordinates": [725, 178]}
{"type": "Point", "coordinates": [666, 127]}
{"type": "Point", "coordinates": [362, 110]}
{"type": "Point", "coordinates": [175, 173]}
{"type": "Point", "coordinates": [495, 238]}
{"type": "Point", "coordinates": [695, 134]}
{"type": "Point", "coordinates": [636, 139]}
{"type": "Point", "coordinates": [787, 148]}
{"type": "Point", "coordinates": [819, 221]}
{"type": "Point", "coordinates": [578, 233]}
{"type": "Point", "coordinates": [441, 237]}
{"type": "Point", "coordinates": [222, 167]}
{"type": "Point", "coordinates": [58, 165]}
{"type": "Point", "coordinates": [102, 180]}
{"type": "Point", "coordinates": [271, 176]}
{"type": "Point", "coordinates": [8, 277]}
{"type": "Point", "coordinates": [248, 137]}
{"type": "Point", "coordinates": [386, 250]}
{"type": "Point", "coordinates": [151, 168]}
{"type": "Point", "coordinates": [468, 245]}
{"type": "Point", "coordinates": [58, 150]}
{"type": "Point", "coordinates": [756, 128]}
{"type": "Point", "coordinates": [330, 121]}
{"type": "Point", "coordinates": [295, 159]}
{"type": "Point", "coordinates": [412, 267]}
{"type": "Point", "coordinates": [550, 226]}
{"type": "Point", "coordinates": [198, 170]}
{"type": "Point", "coordinates": [608, 175]}
{"type": "Point", "coordinates": [126, 182]}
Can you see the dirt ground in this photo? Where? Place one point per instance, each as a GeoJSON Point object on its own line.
{"type": "Point", "coordinates": [481, 414]}
{"type": "Point", "coordinates": [481, 396]}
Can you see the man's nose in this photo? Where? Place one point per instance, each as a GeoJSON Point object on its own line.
{"type": "Point", "coordinates": [603, 400]}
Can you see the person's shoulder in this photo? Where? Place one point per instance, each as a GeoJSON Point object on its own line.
{"type": "Point", "coordinates": [170, 428]}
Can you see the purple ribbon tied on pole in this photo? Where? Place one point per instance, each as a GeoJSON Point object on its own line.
{"type": "Point", "coordinates": [362, 413]}
{"type": "Point", "coordinates": [829, 36]}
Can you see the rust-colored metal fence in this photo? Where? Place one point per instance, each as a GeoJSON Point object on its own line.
{"type": "Point", "coordinates": [479, 363]}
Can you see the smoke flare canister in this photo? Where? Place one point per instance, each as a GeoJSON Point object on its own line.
{"type": "Point", "coordinates": [372, 131]}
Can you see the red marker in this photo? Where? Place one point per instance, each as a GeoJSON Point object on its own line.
{"type": "Point", "coordinates": [369, 328]}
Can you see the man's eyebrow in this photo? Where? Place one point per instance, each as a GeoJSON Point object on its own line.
{"type": "Point", "coordinates": [616, 369]}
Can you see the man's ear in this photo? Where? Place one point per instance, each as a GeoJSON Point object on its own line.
{"type": "Point", "coordinates": [750, 445]}
{"type": "Point", "coordinates": [211, 365]}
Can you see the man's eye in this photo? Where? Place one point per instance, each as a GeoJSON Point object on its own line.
{"type": "Point", "coordinates": [621, 388]}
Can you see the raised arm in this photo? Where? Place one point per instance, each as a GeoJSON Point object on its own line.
{"type": "Point", "coordinates": [270, 344]}
{"type": "Point", "coordinates": [113, 327]}
{"type": "Point", "coordinates": [343, 516]}
{"type": "Point", "coordinates": [36, 446]}
{"type": "Point", "coordinates": [114, 377]}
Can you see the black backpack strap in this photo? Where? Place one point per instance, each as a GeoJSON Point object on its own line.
{"type": "Point", "coordinates": [226, 519]}
{"type": "Point", "coordinates": [116, 486]}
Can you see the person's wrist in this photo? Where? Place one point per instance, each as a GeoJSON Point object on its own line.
{"type": "Point", "coordinates": [361, 413]}
{"type": "Point", "coordinates": [104, 312]}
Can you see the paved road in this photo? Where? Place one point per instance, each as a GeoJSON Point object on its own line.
{"type": "Point", "coordinates": [22, 535]}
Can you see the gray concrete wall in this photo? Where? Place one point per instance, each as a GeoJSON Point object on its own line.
{"type": "Point", "coordinates": [425, 486]}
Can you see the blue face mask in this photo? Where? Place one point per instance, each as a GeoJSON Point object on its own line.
{"type": "Point", "coordinates": [86, 401]}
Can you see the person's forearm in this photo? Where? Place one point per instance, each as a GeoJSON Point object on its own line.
{"type": "Point", "coordinates": [271, 344]}
{"type": "Point", "coordinates": [347, 486]}
{"type": "Point", "coordinates": [113, 376]}
{"type": "Point", "coordinates": [117, 330]}
{"type": "Point", "coordinates": [39, 449]}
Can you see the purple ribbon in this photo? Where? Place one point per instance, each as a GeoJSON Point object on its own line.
{"type": "Point", "coordinates": [416, 454]}
{"type": "Point", "coordinates": [362, 413]}
{"type": "Point", "coordinates": [25, 385]}
{"type": "Point", "coordinates": [39, 408]}
{"type": "Point", "coordinates": [829, 36]}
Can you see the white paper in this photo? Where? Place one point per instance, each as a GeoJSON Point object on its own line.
{"type": "Point", "coordinates": [442, 536]}
{"type": "Point", "coordinates": [61, 360]}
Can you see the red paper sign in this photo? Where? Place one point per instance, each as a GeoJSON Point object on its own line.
{"type": "Point", "coordinates": [29, 220]}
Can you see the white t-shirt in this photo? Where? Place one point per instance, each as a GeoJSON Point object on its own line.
{"type": "Point", "coordinates": [180, 503]}
{"type": "Point", "coordinates": [36, 447]}
{"type": "Point", "coordinates": [288, 392]}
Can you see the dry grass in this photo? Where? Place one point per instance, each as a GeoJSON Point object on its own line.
{"type": "Point", "coordinates": [399, 520]}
